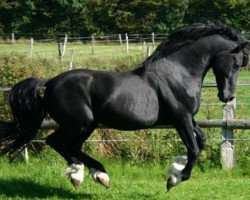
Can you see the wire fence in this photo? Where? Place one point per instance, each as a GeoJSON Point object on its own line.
{"type": "Point", "coordinates": [108, 38]}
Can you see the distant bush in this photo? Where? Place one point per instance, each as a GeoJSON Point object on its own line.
{"type": "Point", "coordinates": [16, 67]}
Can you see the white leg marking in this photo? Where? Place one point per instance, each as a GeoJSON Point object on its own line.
{"type": "Point", "coordinates": [174, 173]}
{"type": "Point", "coordinates": [76, 173]}
{"type": "Point", "coordinates": [100, 177]}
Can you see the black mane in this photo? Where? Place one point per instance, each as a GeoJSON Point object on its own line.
{"type": "Point", "coordinates": [189, 34]}
{"type": "Point", "coordinates": [193, 32]}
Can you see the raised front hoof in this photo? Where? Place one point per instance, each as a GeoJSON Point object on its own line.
{"type": "Point", "coordinates": [76, 174]}
{"type": "Point", "coordinates": [100, 177]}
{"type": "Point", "coordinates": [175, 175]}
{"type": "Point", "coordinates": [173, 181]}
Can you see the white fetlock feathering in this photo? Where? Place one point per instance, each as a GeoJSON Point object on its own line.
{"type": "Point", "coordinates": [76, 173]}
{"type": "Point", "coordinates": [100, 177]}
{"type": "Point", "coordinates": [174, 173]}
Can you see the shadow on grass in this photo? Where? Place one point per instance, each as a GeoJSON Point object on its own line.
{"type": "Point", "coordinates": [12, 188]}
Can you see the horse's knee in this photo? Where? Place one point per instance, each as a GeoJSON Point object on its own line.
{"type": "Point", "coordinates": [200, 138]}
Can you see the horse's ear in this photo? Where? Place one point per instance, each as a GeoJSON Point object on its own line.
{"type": "Point", "coordinates": [240, 47]}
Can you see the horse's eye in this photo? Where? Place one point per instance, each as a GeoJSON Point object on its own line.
{"type": "Point", "coordinates": [236, 67]}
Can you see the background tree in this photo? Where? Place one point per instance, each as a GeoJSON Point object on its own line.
{"type": "Point", "coordinates": [81, 17]}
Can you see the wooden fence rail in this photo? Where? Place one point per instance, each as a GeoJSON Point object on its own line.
{"type": "Point", "coordinates": [213, 123]}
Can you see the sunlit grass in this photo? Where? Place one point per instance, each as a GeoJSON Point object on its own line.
{"type": "Point", "coordinates": [42, 178]}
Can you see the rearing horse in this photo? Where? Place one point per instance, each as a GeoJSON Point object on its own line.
{"type": "Point", "coordinates": [164, 90]}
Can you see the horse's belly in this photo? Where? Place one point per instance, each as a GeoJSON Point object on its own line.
{"type": "Point", "coordinates": [128, 113]}
{"type": "Point", "coordinates": [127, 122]}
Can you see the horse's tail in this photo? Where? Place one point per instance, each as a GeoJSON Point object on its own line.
{"type": "Point", "coordinates": [28, 110]}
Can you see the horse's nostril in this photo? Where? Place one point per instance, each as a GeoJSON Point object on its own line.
{"type": "Point", "coordinates": [231, 98]}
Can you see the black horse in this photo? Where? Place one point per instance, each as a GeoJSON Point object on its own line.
{"type": "Point", "coordinates": [164, 90]}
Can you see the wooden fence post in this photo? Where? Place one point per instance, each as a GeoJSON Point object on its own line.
{"type": "Point", "coordinates": [153, 39]}
{"type": "Point", "coordinates": [144, 49]}
{"type": "Point", "coordinates": [227, 145]}
{"type": "Point", "coordinates": [127, 43]}
{"type": "Point", "coordinates": [148, 51]}
{"type": "Point", "coordinates": [60, 50]}
{"type": "Point", "coordinates": [23, 156]}
{"type": "Point", "coordinates": [13, 40]}
{"type": "Point", "coordinates": [71, 59]}
{"type": "Point", "coordinates": [120, 38]}
{"type": "Point", "coordinates": [31, 47]}
{"type": "Point", "coordinates": [63, 50]}
{"type": "Point", "coordinates": [26, 154]}
{"type": "Point", "coordinates": [93, 44]}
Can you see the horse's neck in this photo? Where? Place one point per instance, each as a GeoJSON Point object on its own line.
{"type": "Point", "coordinates": [191, 61]}
{"type": "Point", "coordinates": [185, 63]}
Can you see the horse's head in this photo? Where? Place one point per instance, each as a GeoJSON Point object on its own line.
{"type": "Point", "coordinates": [226, 65]}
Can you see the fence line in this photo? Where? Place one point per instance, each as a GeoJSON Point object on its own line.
{"type": "Point", "coordinates": [109, 38]}
{"type": "Point", "coordinates": [205, 85]}
{"type": "Point", "coordinates": [214, 123]}
{"type": "Point", "coordinates": [147, 141]}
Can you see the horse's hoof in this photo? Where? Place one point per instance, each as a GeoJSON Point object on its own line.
{"type": "Point", "coordinates": [172, 181]}
{"type": "Point", "coordinates": [100, 177]}
{"type": "Point", "coordinates": [76, 183]}
{"type": "Point", "coordinates": [103, 179]}
{"type": "Point", "coordinates": [175, 173]}
{"type": "Point", "coordinates": [76, 174]}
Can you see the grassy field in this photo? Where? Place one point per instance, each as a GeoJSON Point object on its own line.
{"type": "Point", "coordinates": [105, 57]}
{"type": "Point", "coordinates": [42, 178]}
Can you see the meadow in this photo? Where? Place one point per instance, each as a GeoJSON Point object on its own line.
{"type": "Point", "coordinates": [138, 168]}
{"type": "Point", "coordinates": [42, 178]}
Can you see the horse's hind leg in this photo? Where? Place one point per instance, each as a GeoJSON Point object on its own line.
{"type": "Point", "coordinates": [200, 137]}
{"type": "Point", "coordinates": [69, 147]}
{"type": "Point", "coordinates": [97, 170]}
{"type": "Point", "coordinates": [62, 144]}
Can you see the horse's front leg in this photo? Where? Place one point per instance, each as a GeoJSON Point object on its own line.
{"type": "Point", "coordinates": [183, 165]}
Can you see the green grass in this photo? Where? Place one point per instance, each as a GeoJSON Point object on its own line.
{"type": "Point", "coordinates": [106, 57]}
{"type": "Point", "coordinates": [42, 178]}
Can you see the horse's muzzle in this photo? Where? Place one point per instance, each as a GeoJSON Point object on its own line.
{"type": "Point", "coordinates": [224, 98]}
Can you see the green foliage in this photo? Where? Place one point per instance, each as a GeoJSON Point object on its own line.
{"type": "Point", "coordinates": [16, 67]}
{"type": "Point", "coordinates": [235, 13]}
{"type": "Point", "coordinates": [82, 17]}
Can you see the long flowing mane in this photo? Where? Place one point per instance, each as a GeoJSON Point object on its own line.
{"type": "Point", "coordinates": [189, 34]}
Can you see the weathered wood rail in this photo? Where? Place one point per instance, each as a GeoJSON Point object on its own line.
{"type": "Point", "coordinates": [213, 123]}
